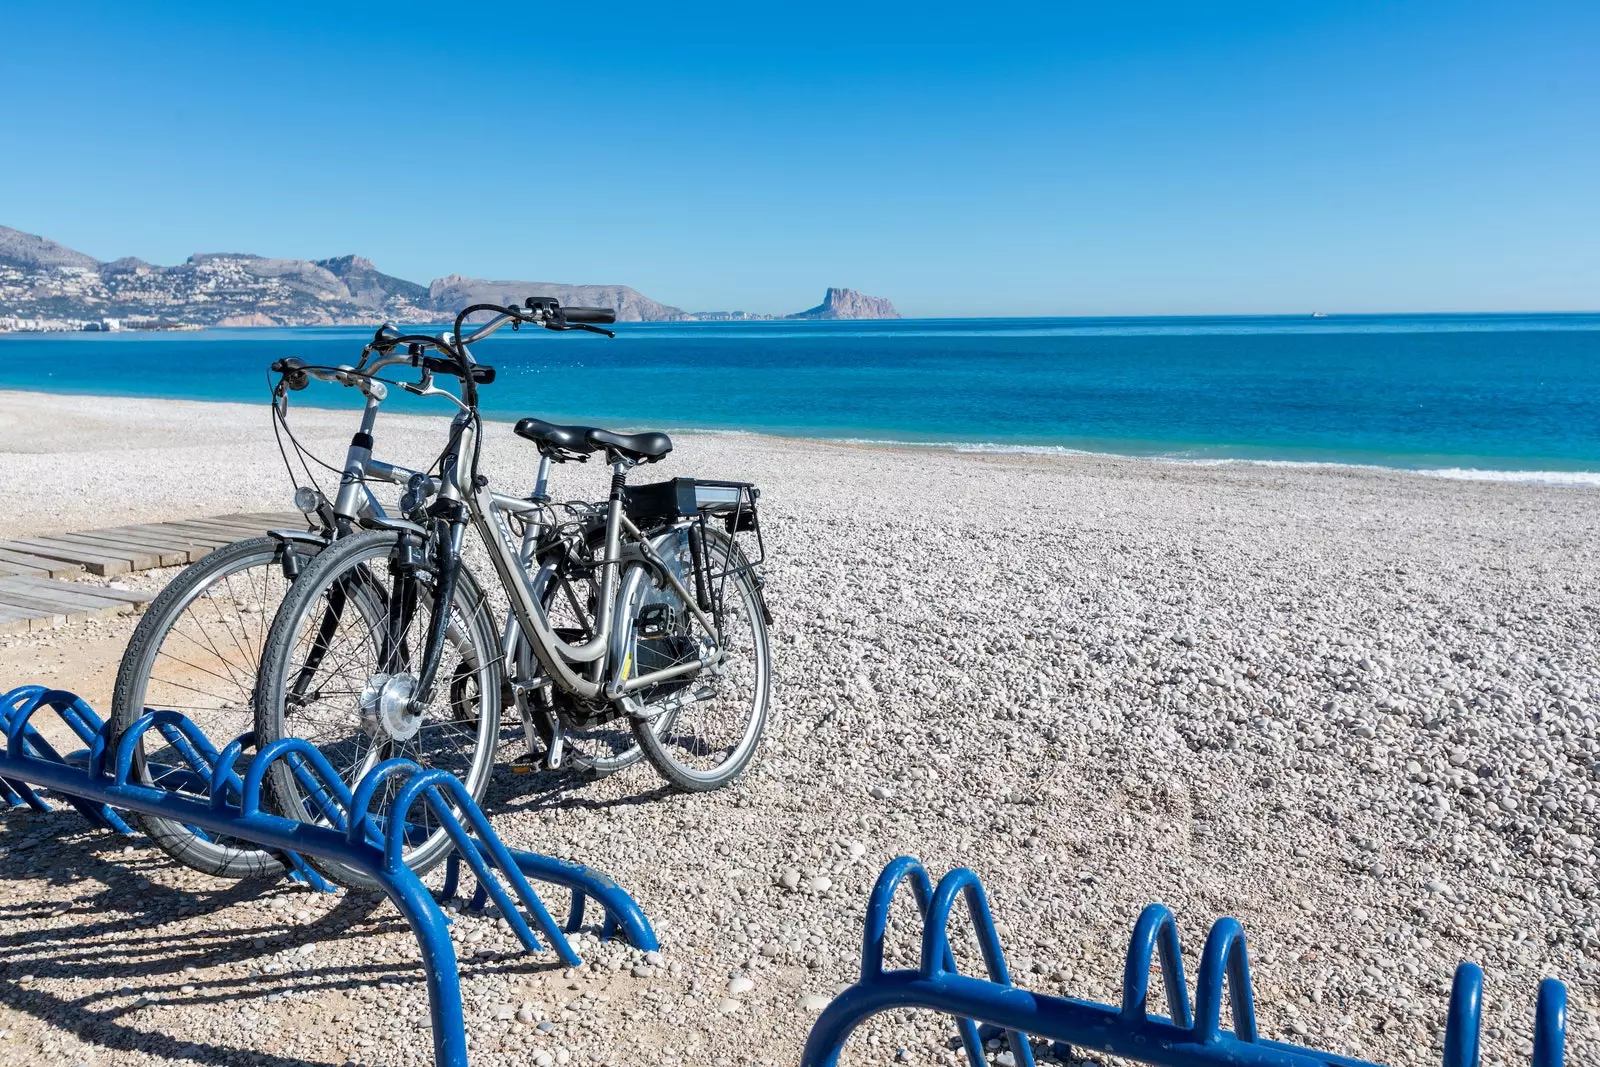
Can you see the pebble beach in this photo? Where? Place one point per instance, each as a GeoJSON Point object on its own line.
{"type": "Point", "coordinates": [1356, 709]}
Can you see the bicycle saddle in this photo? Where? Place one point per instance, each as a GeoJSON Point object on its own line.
{"type": "Point", "coordinates": [549, 435]}
{"type": "Point", "coordinates": [646, 447]}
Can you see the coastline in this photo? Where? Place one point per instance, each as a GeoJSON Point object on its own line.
{"type": "Point", "coordinates": [19, 406]}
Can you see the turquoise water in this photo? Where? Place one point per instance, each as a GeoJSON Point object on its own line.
{"type": "Point", "coordinates": [1497, 393]}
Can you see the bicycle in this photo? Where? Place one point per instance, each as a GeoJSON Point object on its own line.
{"type": "Point", "coordinates": [645, 610]}
{"type": "Point", "coordinates": [197, 648]}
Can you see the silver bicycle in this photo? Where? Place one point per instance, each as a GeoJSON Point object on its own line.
{"type": "Point", "coordinates": [645, 612]}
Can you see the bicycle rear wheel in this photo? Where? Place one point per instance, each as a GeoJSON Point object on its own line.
{"type": "Point", "coordinates": [719, 713]}
{"type": "Point", "coordinates": [196, 651]}
{"type": "Point", "coordinates": [336, 676]}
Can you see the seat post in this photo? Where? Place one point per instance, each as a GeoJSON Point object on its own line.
{"type": "Point", "coordinates": [611, 564]}
{"type": "Point", "coordinates": [541, 484]}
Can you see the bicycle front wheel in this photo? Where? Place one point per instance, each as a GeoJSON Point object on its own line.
{"type": "Point", "coordinates": [196, 651]}
{"type": "Point", "coordinates": [341, 670]}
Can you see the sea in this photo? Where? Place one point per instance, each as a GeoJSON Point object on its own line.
{"type": "Point", "coordinates": [1473, 396]}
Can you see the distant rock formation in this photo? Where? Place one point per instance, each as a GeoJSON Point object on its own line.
{"type": "Point", "coordinates": [370, 287]}
{"type": "Point", "coordinates": [849, 304]}
{"type": "Point", "coordinates": [455, 292]}
{"type": "Point", "coordinates": [28, 250]}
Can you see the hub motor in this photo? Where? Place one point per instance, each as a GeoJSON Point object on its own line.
{"type": "Point", "coordinates": [387, 707]}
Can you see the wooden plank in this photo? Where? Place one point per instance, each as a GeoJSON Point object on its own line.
{"type": "Point", "coordinates": [165, 555]}
{"type": "Point", "coordinates": [232, 533]}
{"type": "Point", "coordinates": [127, 596]}
{"type": "Point", "coordinates": [51, 568]}
{"type": "Point", "coordinates": [141, 559]}
{"type": "Point", "coordinates": [93, 562]}
{"type": "Point", "coordinates": [178, 551]}
{"type": "Point", "coordinates": [64, 594]}
{"type": "Point", "coordinates": [159, 535]}
{"type": "Point", "coordinates": [60, 610]}
{"type": "Point", "coordinates": [138, 559]}
{"type": "Point", "coordinates": [269, 519]}
{"type": "Point", "coordinates": [14, 623]}
{"type": "Point", "coordinates": [243, 529]}
{"type": "Point", "coordinates": [206, 538]}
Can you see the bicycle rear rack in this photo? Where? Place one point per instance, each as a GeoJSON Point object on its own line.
{"type": "Point", "coordinates": [1192, 1037]}
{"type": "Point", "coordinates": [98, 783]}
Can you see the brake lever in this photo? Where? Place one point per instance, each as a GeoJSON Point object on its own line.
{"type": "Point", "coordinates": [584, 326]}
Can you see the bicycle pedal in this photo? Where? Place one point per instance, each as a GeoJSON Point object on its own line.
{"type": "Point", "coordinates": [527, 763]}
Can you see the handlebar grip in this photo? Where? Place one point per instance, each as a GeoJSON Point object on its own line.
{"type": "Point", "coordinates": [596, 316]}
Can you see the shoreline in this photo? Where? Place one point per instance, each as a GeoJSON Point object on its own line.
{"type": "Point", "coordinates": [1573, 478]}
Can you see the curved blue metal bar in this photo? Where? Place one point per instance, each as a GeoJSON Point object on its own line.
{"type": "Point", "coordinates": [1079, 1023]}
{"type": "Point", "coordinates": [27, 758]}
{"type": "Point", "coordinates": [1128, 1031]}
{"type": "Point", "coordinates": [883, 893]}
{"type": "Point", "coordinates": [360, 825]}
{"type": "Point", "coordinates": [1224, 959]}
{"type": "Point", "coordinates": [21, 737]}
{"type": "Point", "coordinates": [936, 954]}
{"type": "Point", "coordinates": [623, 914]}
{"type": "Point", "coordinates": [195, 749]}
{"type": "Point", "coordinates": [283, 748]}
{"type": "Point", "coordinates": [1155, 930]}
{"type": "Point", "coordinates": [479, 853]}
{"type": "Point", "coordinates": [225, 781]}
{"type": "Point", "coordinates": [937, 957]}
{"type": "Point", "coordinates": [1466, 1012]}
{"type": "Point", "coordinates": [271, 831]}
{"type": "Point", "coordinates": [883, 890]}
{"type": "Point", "coordinates": [66, 705]}
{"type": "Point", "coordinates": [17, 792]}
{"type": "Point", "coordinates": [1550, 1025]}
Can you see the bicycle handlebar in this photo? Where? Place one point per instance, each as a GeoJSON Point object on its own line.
{"type": "Point", "coordinates": [456, 360]}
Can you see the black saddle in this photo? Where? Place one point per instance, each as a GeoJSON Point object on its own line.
{"type": "Point", "coordinates": [582, 440]}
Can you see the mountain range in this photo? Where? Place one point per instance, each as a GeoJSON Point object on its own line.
{"type": "Point", "coordinates": [41, 280]}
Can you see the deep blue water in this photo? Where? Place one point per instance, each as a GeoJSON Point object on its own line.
{"type": "Point", "coordinates": [1505, 392]}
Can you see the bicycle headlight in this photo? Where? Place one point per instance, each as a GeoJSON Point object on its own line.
{"type": "Point", "coordinates": [307, 499]}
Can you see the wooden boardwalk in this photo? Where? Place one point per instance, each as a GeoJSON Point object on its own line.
{"type": "Point", "coordinates": [32, 596]}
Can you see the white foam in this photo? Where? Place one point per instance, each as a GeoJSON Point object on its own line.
{"type": "Point", "coordinates": [1585, 479]}
{"type": "Point", "coordinates": [1472, 474]}
{"type": "Point", "coordinates": [970, 446]}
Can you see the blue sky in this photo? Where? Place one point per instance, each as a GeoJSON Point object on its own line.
{"type": "Point", "coordinates": [975, 159]}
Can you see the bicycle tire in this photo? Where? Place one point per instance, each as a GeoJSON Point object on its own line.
{"type": "Point", "coordinates": [662, 747]}
{"type": "Point", "coordinates": [341, 563]}
{"type": "Point", "coordinates": [141, 684]}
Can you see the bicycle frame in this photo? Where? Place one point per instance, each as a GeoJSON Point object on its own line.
{"type": "Point", "coordinates": [582, 669]}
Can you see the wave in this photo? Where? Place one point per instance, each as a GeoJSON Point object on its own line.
{"type": "Point", "coordinates": [1473, 474]}
{"type": "Point", "coordinates": [1577, 479]}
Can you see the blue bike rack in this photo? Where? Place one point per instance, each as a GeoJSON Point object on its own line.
{"type": "Point", "coordinates": [1193, 1037]}
{"type": "Point", "coordinates": [99, 782]}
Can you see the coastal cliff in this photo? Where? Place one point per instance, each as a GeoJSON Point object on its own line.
{"type": "Point", "coordinates": [48, 286]}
